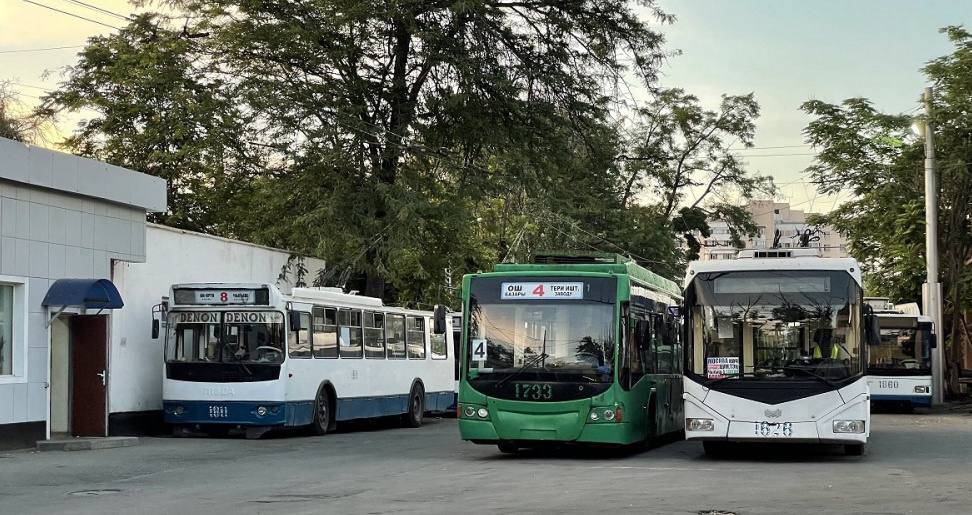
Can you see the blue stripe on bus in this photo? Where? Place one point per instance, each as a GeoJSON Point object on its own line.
{"type": "Point", "coordinates": [294, 413]}
{"type": "Point", "coordinates": [916, 400]}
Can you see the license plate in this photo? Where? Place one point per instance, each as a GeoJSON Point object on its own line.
{"type": "Point", "coordinates": [218, 411]}
{"type": "Point", "coordinates": [773, 429]}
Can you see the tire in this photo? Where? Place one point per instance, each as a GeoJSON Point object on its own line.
{"type": "Point", "coordinates": [322, 414]}
{"type": "Point", "coordinates": [855, 449]}
{"type": "Point", "coordinates": [715, 449]}
{"type": "Point", "coordinates": [507, 448]}
{"type": "Point", "coordinates": [416, 407]}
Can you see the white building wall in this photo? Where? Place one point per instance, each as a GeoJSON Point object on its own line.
{"type": "Point", "coordinates": [175, 256]}
{"type": "Point", "coordinates": [61, 216]}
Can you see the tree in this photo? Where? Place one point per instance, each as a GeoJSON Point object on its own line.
{"type": "Point", "coordinates": [159, 110]}
{"type": "Point", "coordinates": [680, 147]}
{"type": "Point", "coordinates": [389, 100]}
{"type": "Point", "coordinates": [873, 155]}
{"type": "Point", "coordinates": [16, 122]}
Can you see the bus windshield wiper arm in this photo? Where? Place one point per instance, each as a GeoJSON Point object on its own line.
{"type": "Point", "coordinates": [533, 361]}
{"type": "Point", "coordinates": [812, 374]}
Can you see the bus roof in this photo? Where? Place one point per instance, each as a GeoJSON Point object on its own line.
{"type": "Point", "coordinates": [848, 265]}
{"type": "Point", "coordinates": [630, 268]}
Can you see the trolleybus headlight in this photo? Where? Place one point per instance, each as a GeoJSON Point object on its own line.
{"type": "Point", "coordinates": [482, 412]}
{"type": "Point", "coordinates": [261, 411]}
{"type": "Point", "coordinates": [594, 416]}
{"type": "Point", "coordinates": [848, 426]}
{"type": "Point", "coordinates": [178, 410]}
{"type": "Point", "coordinates": [921, 389]}
{"type": "Point", "coordinates": [609, 414]}
{"type": "Point", "coordinates": [469, 411]}
{"type": "Point", "coordinates": [699, 424]}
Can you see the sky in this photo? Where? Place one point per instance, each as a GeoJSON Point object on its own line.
{"type": "Point", "coordinates": [785, 51]}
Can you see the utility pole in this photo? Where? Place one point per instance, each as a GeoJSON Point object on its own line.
{"type": "Point", "coordinates": [932, 289]}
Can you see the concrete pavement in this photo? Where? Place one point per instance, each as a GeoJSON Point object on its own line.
{"type": "Point", "coordinates": [914, 464]}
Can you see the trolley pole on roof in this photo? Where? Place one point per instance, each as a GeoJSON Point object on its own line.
{"type": "Point", "coordinates": [932, 289]}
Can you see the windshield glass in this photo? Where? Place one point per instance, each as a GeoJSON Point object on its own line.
{"type": "Point", "coordinates": [775, 325]}
{"type": "Point", "coordinates": [552, 339]}
{"type": "Point", "coordinates": [227, 337]}
{"type": "Point", "coordinates": [904, 346]}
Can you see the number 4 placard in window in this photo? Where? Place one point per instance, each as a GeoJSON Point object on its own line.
{"type": "Point", "coordinates": [542, 290]}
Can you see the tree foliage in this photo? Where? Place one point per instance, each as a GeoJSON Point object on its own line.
{"type": "Point", "coordinates": [401, 140]}
{"type": "Point", "coordinates": [874, 155]}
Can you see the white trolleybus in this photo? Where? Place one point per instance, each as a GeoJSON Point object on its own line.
{"type": "Point", "coordinates": [899, 365]}
{"type": "Point", "coordinates": [244, 356]}
{"type": "Point", "coordinates": [775, 350]}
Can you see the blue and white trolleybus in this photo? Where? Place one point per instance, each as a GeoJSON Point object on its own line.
{"type": "Point", "coordinates": [245, 356]}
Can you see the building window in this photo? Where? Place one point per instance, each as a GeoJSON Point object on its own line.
{"type": "Point", "coordinates": [6, 329]}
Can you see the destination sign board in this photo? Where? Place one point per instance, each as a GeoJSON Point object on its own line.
{"type": "Point", "coordinates": [546, 290]}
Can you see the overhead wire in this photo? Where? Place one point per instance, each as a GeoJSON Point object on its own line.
{"type": "Point", "coordinates": [99, 9]}
{"type": "Point", "coordinates": [46, 49]}
{"type": "Point", "coordinates": [78, 16]}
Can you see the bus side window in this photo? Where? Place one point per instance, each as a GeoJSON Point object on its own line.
{"type": "Point", "coordinates": [300, 341]}
{"type": "Point", "coordinates": [349, 331]}
{"type": "Point", "coordinates": [395, 336]}
{"type": "Point", "coordinates": [416, 337]}
{"type": "Point", "coordinates": [374, 335]}
{"type": "Point", "coordinates": [325, 333]}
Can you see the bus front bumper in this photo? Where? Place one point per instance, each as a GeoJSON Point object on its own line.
{"type": "Point", "coordinates": [527, 428]}
{"type": "Point", "coordinates": [772, 430]}
{"type": "Point", "coordinates": [243, 413]}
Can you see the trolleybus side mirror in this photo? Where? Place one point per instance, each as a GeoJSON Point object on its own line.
{"type": "Point", "coordinates": [439, 320]}
{"type": "Point", "coordinates": [872, 326]}
{"type": "Point", "coordinates": [158, 311]}
{"type": "Point", "coordinates": [933, 338]}
{"type": "Point", "coordinates": [294, 320]}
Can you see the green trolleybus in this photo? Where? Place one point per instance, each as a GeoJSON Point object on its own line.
{"type": "Point", "coordinates": [579, 348]}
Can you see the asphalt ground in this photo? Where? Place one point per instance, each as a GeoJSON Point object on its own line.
{"type": "Point", "coordinates": [915, 463]}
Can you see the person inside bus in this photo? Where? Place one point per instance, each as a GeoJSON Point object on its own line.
{"type": "Point", "coordinates": [824, 347]}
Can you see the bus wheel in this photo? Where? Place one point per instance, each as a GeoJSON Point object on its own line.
{"type": "Point", "coordinates": [416, 407]}
{"type": "Point", "coordinates": [507, 447]}
{"type": "Point", "coordinates": [322, 414]}
{"type": "Point", "coordinates": [854, 449]}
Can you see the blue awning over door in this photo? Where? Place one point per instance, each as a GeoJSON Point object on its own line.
{"type": "Point", "coordinates": [83, 293]}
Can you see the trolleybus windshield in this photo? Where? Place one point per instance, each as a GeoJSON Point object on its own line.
{"type": "Point", "coordinates": [225, 337]}
{"type": "Point", "coordinates": [904, 348]}
{"type": "Point", "coordinates": [542, 335]}
{"type": "Point", "coordinates": [775, 325]}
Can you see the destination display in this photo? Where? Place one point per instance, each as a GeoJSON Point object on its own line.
{"type": "Point", "coordinates": [220, 297]}
{"type": "Point", "coordinates": [542, 290]}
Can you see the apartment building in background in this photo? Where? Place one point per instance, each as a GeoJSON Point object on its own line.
{"type": "Point", "coordinates": [771, 216]}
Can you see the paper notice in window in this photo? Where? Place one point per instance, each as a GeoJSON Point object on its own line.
{"type": "Point", "coordinates": [718, 368]}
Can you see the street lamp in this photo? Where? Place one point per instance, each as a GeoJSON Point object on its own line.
{"type": "Point", "coordinates": [931, 291]}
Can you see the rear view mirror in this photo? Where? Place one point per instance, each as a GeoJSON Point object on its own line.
{"type": "Point", "coordinates": [872, 327]}
{"type": "Point", "coordinates": [439, 320]}
{"type": "Point", "coordinates": [928, 329]}
{"type": "Point", "coordinates": [294, 320]}
{"type": "Point", "coordinates": [158, 312]}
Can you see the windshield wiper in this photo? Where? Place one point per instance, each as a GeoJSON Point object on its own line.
{"type": "Point", "coordinates": [533, 361]}
{"type": "Point", "coordinates": [812, 374]}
